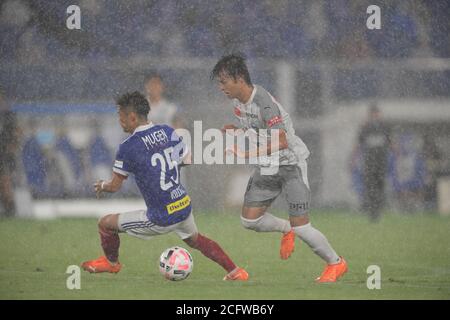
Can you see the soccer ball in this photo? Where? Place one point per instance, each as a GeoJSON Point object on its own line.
{"type": "Point", "coordinates": [175, 263]}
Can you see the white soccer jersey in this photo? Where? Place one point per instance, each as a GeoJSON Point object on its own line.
{"type": "Point", "coordinates": [262, 111]}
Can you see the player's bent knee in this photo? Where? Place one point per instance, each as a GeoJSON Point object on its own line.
{"type": "Point", "coordinates": [192, 241]}
{"type": "Point", "coordinates": [109, 222]}
{"type": "Point", "coordinates": [299, 220]}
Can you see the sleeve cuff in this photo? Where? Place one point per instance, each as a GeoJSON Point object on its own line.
{"type": "Point", "coordinates": [120, 171]}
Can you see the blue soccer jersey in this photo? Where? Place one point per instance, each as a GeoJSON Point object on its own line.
{"type": "Point", "coordinates": [152, 154]}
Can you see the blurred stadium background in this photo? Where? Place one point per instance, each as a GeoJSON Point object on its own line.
{"type": "Point", "coordinates": [317, 57]}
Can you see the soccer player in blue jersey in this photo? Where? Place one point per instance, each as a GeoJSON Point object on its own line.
{"type": "Point", "coordinates": [152, 153]}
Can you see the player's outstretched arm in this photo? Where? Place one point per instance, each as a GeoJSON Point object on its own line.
{"type": "Point", "coordinates": [187, 160]}
{"type": "Point", "coordinates": [111, 186]}
{"type": "Point", "coordinates": [232, 130]}
{"type": "Point", "coordinates": [228, 127]}
{"type": "Point", "coordinates": [275, 144]}
{"type": "Point", "coordinates": [262, 150]}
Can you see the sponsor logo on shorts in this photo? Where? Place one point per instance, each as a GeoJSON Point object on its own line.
{"type": "Point", "coordinates": [299, 206]}
{"type": "Point", "coordinates": [118, 164]}
{"type": "Point", "coordinates": [178, 205]}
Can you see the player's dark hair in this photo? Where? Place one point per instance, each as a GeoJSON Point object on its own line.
{"type": "Point", "coordinates": [232, 65]}
{"type": "Point", "coordinates": [134, 102]}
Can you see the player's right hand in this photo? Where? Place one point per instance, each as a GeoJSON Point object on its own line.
{"type": "Point", "coordinates": [98, 188]}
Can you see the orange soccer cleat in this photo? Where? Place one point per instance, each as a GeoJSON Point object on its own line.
{"type": "Point", "coordinates": [287, 245]}
{"type": "Point", "coordinates": [333, 272]}
{"type": "Point", "coordinates": [238, 274]}
{"type": "Point", "coordinates": [101, 265]}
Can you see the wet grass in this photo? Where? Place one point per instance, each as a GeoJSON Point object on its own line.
{"type": "Point", "coordinates": [413, 254]}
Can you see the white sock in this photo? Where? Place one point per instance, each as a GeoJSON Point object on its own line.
{"type": "Point", "coordinates": [317, 242]}
{"type": "Point", "coordinates": [267, 223]}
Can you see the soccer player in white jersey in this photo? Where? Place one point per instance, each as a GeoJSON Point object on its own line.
{"type": "Point", "coordinates": [256, 109]}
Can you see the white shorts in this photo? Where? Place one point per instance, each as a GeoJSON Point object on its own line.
{"type": "Point", "coordinates": [136, 223]}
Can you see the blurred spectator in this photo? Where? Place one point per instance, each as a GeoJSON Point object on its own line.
{"type": "Point", "coordinates": [201, 41]}
{"type": "Point", "coordinates": [374, 144]}
{"type": "Point", "coordinates": [433, 166]}
{"type": "Point", "coordinates": [315, 25]}
{"type": "Point", "coordinates": [266, 39]}
{"type": "Point", "coordinates": [9, 133]}
{"type": "Point", "coordinates": [35, 162]}
{"type": "Point", "coordinates": [198, 27]}
{"type": "Point", "coordinates": [14, 19]}
{"type": "Point", "coordinates": [100, 158]}
{"type": "Point", "coordinates": [398, 36]}
{"type": "Point", "coordinates": [69, 164]}
{"type": "Point", "coordinates": [31, 47]}
{"type": "Point", "coordinates": [407, 173]}
{"type": "Point", "coordinates": [285, 28]}
{"type": "Point", "coordinates": [354, 46]}
{"type": "Point", "coordinates": [439, 27]}
{"type": "Point", "coordinates": [161, 110]}
{"type": "Point", "coordinates": [357, 175]}
{"type": "Point", "coordinates": [339, 18]}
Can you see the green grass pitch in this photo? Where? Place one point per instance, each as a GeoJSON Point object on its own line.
{"type": "Point", "coordinates": [413, 253]}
